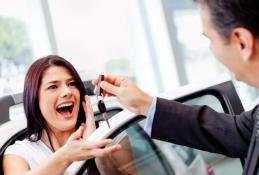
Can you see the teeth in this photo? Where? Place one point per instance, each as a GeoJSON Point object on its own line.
{"type": "Point", "coordinates": [65, 105]}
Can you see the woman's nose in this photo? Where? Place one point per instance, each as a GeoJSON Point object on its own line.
{"type": "Point", "coordinates": [66, 91]}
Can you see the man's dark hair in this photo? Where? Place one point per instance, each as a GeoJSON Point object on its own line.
{"type": "Point", "coordinates": [35, 121]}
{"type": "Point", "coordinates": [229, 14]}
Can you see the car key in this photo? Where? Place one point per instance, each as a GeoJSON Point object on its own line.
{"type": "Point", "coordinates": [101, 105]}
{"type": "Point", "coordinates": [102, 109]}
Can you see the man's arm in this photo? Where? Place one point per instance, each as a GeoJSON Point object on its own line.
{"type": "Point", "coordinates": [198, 126]}
{"type": "Point", "coordinates": [150, 117]}
{"type": "Point", "coordinates": [203, 128]}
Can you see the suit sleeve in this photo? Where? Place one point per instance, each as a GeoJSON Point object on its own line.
{"type": "Point", "coordinates": [203, 128]}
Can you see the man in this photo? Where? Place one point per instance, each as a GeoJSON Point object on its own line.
{"type": "Point", "coordinates": [233, 30]}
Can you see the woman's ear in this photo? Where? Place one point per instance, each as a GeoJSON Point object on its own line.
{"type": "Point", "coordinates": [244, 41]}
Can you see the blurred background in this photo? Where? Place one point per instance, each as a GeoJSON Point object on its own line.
{"type": "Point", "coordinates": [158, 43]}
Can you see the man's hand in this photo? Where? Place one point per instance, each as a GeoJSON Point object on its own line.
{"type": "Point", "coordinates": [127, 93]}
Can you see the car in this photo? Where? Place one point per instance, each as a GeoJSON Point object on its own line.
{"type": "Point", "coordinates": [140, 153]}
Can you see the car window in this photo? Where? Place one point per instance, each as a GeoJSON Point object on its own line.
{"type": "Point", "coordinates": [140, 151]}
{"type": "Point", "coordinates": [139, 155]}
{"type": "Point", "coordinates": [209, 100]}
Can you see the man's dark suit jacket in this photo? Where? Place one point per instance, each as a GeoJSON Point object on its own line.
{"type": "Point", "coordinates": [203, 128]}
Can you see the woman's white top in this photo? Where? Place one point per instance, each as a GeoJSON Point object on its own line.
{"type": "Point", "coordinates": [34, 153]}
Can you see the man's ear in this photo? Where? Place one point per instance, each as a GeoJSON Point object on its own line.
{"type": "Point", "coordinates": [245, 42]}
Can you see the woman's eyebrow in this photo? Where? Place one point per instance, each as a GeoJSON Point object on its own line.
{"type": "Point", "coordinates": [71, 79]}
{"type": "Point", "coordinates": [52, 82]}
{"type": "Point", "coordinates": [56, 81]}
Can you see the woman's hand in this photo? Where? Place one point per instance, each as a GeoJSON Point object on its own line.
{"type": "Point", "coordinates": [89, 118]}
{"type": "Point", "coordinates": [78, 148]}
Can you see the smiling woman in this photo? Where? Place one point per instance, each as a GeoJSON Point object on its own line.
{"type": "Point", "coordinates": [59, 119]}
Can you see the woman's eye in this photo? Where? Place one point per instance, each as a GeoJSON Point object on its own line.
{"type": "Point", "coordinates": [72, 83]}
{"type": "Point", "coordinates": [52, 87]}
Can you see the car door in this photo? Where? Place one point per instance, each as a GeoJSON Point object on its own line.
{"type": "Point", "coordinates": [143, 155]}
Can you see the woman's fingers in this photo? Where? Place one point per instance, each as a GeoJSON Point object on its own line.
{"type": "Point", "coordinates": [90, 121]}
{"type": "Point", "coordinates": [77, 134]}
{"type": "Point", "coordinates": [102, 152]}
{"type": "Point", "coordinates": [88, 108]}
{"type": "Point", "coordinates": [81, 149]}
{"type": "Point", "coordinates": [90, 144]}
{"type": "Point", "coordinates": [98, 149]}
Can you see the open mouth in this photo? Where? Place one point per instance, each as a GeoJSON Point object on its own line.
{"type": "Point", "coordinates": [65, 109]}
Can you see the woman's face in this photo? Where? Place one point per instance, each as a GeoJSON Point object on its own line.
{"type": "Point", "coordinates": [59, 99]}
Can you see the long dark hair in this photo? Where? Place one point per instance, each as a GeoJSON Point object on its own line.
{"type": "Point", "coordinates": [35, 121]}
{"type": "Point", "coordinates": [229, 14]}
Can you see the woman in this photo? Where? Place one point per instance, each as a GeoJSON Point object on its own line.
{"type": "Point", "coordinates": [59, 119]}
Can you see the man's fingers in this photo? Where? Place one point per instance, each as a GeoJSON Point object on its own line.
{"type": "Point", "coordinates": [94, 82]}
{"type": "Point", "coordinates": [110, 84]}
{"type": "Point", "coordinates": [111, 89]}
{"type": "Point", "coordinates": [109, 79]}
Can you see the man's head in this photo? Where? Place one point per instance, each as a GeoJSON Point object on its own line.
{"type": "Point", "coordinates": [229, 14]}
{"type": "Point", "coordinates": [233, 31]}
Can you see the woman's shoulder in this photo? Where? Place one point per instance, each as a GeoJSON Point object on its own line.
{"type": "Point", "coordinates": [20, 147]}
{"type": "Point", "coordinates": [32, 152]}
